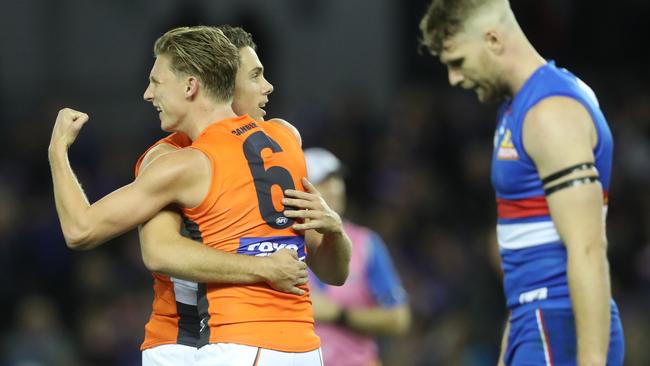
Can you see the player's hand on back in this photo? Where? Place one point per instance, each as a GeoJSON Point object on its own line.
{"type": "Point", "coordinates": [311, 210]}
{"type": "Point", "coordinates": [66, 128]}
{"type": "Point", "coordinates": [286, 272]}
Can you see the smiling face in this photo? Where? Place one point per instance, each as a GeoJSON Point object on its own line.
{"type": "Point", "coordinates": [167, 92]}
{"type": "Point", "coordinates": [251, 88]}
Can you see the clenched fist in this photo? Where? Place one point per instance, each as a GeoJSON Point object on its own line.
{"type": "Point", "coordinates": [66, 128]}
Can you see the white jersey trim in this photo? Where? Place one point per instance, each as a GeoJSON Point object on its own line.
{"type": "Point", "coordinates": [530, 234]}
{"type": "Point", "coordinates": [545, 342]}
{"type": "Point", "coordinates": [526, 235]}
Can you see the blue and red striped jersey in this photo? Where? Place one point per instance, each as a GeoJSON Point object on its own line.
{"type": "Point", "coordinates": [533, 255]}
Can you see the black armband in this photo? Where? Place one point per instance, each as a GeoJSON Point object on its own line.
{"type": "Point", "coordinates": [567, 171]}
{"type": "Point", "coordinates": [570, 183]}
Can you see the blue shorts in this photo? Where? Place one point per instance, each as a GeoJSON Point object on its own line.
{"type": "Point", "coordinates": [547, 336]}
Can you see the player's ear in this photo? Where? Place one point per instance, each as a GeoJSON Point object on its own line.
{"type": "Point", "coordinates": [191, 87]}
{"type": "Point", "coordinates": [494, 41]}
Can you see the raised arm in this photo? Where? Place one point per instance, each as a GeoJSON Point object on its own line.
{"type": "Point", "coordinates": [559, 134]}
{"type": "Point", "coordinates": [165, 250]}
{"type": "Point", "coordinates": [180, 177]}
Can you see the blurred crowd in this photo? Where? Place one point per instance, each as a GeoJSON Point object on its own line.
{"type": "Point", "coordinates": [417, 173]}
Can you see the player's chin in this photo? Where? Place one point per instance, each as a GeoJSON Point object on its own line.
{"type": "Point", "coordinates": [165, 126]}
{"type": "Point", "coordinates": [256, 116]}
{"type": "Point", "coordinates": [486, 97]}
{"type": "Point", "coordinates": [483, 99]}
{"type": "Point", "coordinates": [261, 113]}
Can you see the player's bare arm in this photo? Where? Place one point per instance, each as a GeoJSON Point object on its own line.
{"type": "Point", "coordinates": [180, 177]}
{"type": "Point", "coordinates": [165, 250]}
{"type": "Point", "coordinates": [328, 245]}
{"type": "Point", "coordinates": [559, 136]}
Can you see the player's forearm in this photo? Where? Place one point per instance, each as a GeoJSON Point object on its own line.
{"type": "Point", "coordinates": [379, 321]}
{"type": "Point", "coordinates": [331, 261]}
{"type": "Point", "coordinates": [199, 263]}
{"type": "Point", "coordinates": [588, 276]}
{"type": "Point", "coordinates": [70, 200]}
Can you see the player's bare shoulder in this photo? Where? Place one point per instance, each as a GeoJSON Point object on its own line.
{"type": "Point", "coordinates": [288, 126]}
{"type": "Point", "coordinates": [184, 173]}
{"type": "Point", "coordinates": [190, 159]}
{"type": "Point", "coordinates": [558, 132]}
{"type": "Point", "coordinates": [177, 164]}
{"type": "Point", "coordinates": [557, 122]}
{"type": "Point", "coordinates": [157, 151]}
{"type": "Point", "coordinates": [556, 115]}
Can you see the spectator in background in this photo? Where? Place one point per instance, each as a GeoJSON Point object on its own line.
{"type": "Point", "coordinates": [372, 302]}
{"type": "Point", "coordinates": [39, 338]}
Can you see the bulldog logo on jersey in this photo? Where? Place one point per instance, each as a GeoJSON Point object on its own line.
{"type": "Point", "coordinates": [506, 150]}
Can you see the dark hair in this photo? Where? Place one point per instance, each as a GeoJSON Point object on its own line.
{"type": "Point", "coordinates": [238, 36]}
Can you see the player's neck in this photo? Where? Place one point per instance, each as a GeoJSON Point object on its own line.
{"type": "Point", "coordinates": [524, 63]}
{"type": "Point", "coordinates": [205, 114]}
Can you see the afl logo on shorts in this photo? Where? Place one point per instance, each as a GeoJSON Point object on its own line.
{"type": "Point", "coordinates": [281, 220]}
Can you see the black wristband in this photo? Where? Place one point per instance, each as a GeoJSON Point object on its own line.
{"type": "Point", "coordinates": [342, 318]}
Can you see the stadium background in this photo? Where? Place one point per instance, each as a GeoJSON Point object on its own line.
{"type": "Point", "coordinates": [349, 76]}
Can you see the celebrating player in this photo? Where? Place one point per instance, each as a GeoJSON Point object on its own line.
{"type": "Point", "coordinates": [233, 183]}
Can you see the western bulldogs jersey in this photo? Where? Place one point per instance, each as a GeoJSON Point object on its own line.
{"type": "Point", "coordinates": [533, 256]}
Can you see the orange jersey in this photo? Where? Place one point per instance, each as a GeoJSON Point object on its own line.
{"type": "Point", "coordinates": [252, 164]}
{"type": "Point", "coordinates": [174, 316]}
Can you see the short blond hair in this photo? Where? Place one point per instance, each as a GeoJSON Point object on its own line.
{"type": "Point", "coordinates": [445, 18]}
{"type": "Point", "coordinates": [204, 52]}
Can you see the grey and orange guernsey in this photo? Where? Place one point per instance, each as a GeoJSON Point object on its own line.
{"type": "Point", "coordinates": [174, 316]}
